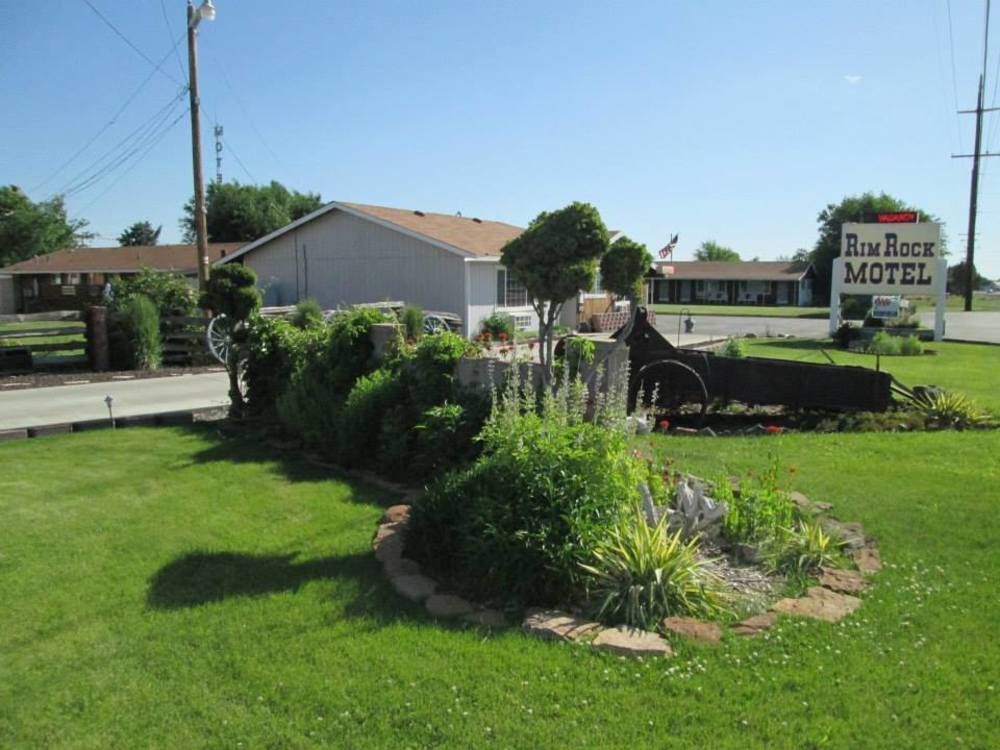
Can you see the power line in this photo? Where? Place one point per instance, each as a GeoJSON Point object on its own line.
{"type": "Point", "coordinates": [112, 121]}
{"type": "Point", "coordinates": [240, 161]}
{"type": "Point", "coordinates": [121, 151]}
{"type": "Point", "coordinates": [170, 35]}
{"type": "Point", "coordinates": [152, 144]}
{"type": "Point", "coordinates": [221, 67]}
{"type": "Point", "coordinates": [128, 41]}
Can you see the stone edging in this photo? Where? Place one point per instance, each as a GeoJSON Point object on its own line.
{"type": "Point", "coordinates": [832, 600]}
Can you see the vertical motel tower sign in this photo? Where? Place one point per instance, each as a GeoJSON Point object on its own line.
{"type": "Point", "coordinates": [890, 256]}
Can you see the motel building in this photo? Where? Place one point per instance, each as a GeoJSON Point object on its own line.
{"type": "Point", "coordinates": [734, 283]}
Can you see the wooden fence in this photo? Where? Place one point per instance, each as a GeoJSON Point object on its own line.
{"type": "Point", "coordinates": [184, 340]}
{"type": "Point", "coordinates": [49, 339]}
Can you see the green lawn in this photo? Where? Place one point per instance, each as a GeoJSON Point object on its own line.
{"type": "Point", "coordinates": [171, 588]}
{"type": "Point", "coordinates": [75, 340]}
{"type": "Point", "coordinates": [971, 369]}
{"type": "Point", "coordinates": [775, 311]}
{"type": "Point", "coordinates": [981, 302]}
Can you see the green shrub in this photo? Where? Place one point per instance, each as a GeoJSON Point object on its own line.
{"type": "Point", "coordinates": [360, 420]}
{"type": "Point", "coordinates": [497, 323]}
{"type": "Point", "coordinates": [885, 344]}
{"type": "Point", "coordinates": [274, 350]}
{"type": "Point", "coordinates": [433, 366]}
{"type": "Point", "coordinates": [232, 291]}
{"type": "Point", "coordinates": [518, 523]}
{"type": "Point", "coordinates": [307, 314]}
{"type": "Point", "coordinates": [575, 352]}
{"type": "Point", "coordinates": [140, 323]}
{"type": "Point", "coordinates": [640, 574]}
{"type": "Point", "coordinates": [171, 293]}
{"type": "Point", "coordinates": [759, 511]}
{"type": "Point", "coordinates": [910, 346]}
{"type": "Point", "coordinates": [411, 318]}
{"type": "Point", "coordinates": [804, 548]}
{"type": "Point", "coordinates": [733, 347]}
{"type": "Point", "coordinates": [348, 352]}
{"type": "Point", "coordinates": [445, 434]}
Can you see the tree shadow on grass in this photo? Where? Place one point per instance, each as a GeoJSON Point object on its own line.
{"type": "Point", "coordinates": [199, 578]}
{"type": "Point", "coordinates": [234, 444]}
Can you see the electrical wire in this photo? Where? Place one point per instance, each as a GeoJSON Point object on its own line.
{"type": "Point", "coordinates": [128, 41]}
{"type": "Point", "coordinates": [170, 35]}
{"type": "Point", "coordinates": [239, 161]}
{"type": "Point", "coordinates": [152, 144]}
{"type": "Point", "coordinates": [109, 123]}
{"type": "Point", "coordinates": [123, 150]}
{"type": "Point", "coordinates": [221, 66]}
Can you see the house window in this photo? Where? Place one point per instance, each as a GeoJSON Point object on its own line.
{"type": "Point", "coordinates": [522, 322]}
{"type": "Point", "coordinates": [510, 292]}
{"type": "Point", "coordinates": [56, 279]}
{"type": "Point", "coordinates": [72, 278]}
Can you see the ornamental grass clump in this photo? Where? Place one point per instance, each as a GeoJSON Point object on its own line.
{"type": "Point", "coordinates": [640, 574]}
{"type": "Point", "coordinates": [805, 548]}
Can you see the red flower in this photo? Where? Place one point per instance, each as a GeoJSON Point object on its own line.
{"type": "Point", "coordinates": [773, 429]}
{"type": "Point", "coordinates": [503, 335]}
{"type": "Point", "coordinates": [664, 424]}
{"type": "Point", "coordinates": [486, 336]}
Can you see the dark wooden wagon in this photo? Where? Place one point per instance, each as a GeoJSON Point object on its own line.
{"type": "Point", "coordinates": [691, 377]}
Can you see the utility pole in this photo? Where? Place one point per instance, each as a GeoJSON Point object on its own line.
{"type": "Point", "coordinates": [970, 244]}
{"type": "Point", "coordinates": [194, 17]}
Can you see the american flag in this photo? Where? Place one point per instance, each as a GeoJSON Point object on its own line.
{"type": "Point", "coordinates": [668, 249]}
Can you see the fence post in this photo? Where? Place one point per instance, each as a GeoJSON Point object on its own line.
{"type": "Point", "coordinates": [97, 338]}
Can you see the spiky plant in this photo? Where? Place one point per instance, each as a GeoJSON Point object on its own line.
{"type": "Point", "coordinates": [804, 548]}
{"type": "Point", "coordinates": [641, 574]}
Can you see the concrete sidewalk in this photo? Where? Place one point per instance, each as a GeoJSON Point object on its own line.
{"type": "Point", "coordinates": [32, 407]}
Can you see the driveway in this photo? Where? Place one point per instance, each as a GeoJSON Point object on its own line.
{"type": "Point", "coordinates": [32, 407]}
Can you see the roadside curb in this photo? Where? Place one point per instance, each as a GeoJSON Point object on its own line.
{"type": "Point", "coordinates": [158, 419]}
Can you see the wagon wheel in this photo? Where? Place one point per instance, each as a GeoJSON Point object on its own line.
{"type": "Point", "coordinates": [676, 383]}
{"type": "Point", "coordinates": [434, 324]}
{"type": "Point", "coordinates": [221, 343]}
{"type": "Point", "coordinates": [219, 337]}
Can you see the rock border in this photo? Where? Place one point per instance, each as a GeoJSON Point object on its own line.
{"type": "Point", "coordinates": [831, 600]}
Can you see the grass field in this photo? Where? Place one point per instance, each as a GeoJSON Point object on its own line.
{"type": "Point", "coordinates": [205, 594]}
{"type": "Point", "coordinates": [981, 302]}
{"type": "Point", "coordinates": [971, 369]}
{"type": "Point", "coordinates": [74, 341]}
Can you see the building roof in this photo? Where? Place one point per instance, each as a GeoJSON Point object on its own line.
{"type": "Point", "coordinates": [463, 235]}
{"type": "Point", "coordinates": [747, 270]}
{"type": "Point", "coordinates": [120, 259]}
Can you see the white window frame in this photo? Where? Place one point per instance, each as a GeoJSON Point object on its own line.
{"type": "Point", "coordinates": [510, 287]}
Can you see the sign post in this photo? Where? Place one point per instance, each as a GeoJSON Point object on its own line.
{"type": "Point", "coordinates": [890, 259]}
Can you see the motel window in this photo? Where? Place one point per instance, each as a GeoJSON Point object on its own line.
{"type": "Point", "coordinates": [700, 285]}
{"type": "Point", "coordinates": [510, 292]}
{"type": "Point", "coordinates": [56, 279]}
{"type": "Point", "coordinates": [72, 278]}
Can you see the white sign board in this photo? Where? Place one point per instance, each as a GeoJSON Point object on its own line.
{"type": "Point", "coordinates": [890, 259]}
{"type": "Point", "coordinates": [885, 307]}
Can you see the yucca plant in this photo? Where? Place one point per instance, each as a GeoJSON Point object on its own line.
{"type": "Point", "coordinates": [804, 548]}
{"type": "Point", "coordinates": [641, 574]}
{"type": "Point", "coordinates": [952, 411]}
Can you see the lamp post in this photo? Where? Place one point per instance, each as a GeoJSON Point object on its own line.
{"type": "Point", "coordinates": [205, 11]}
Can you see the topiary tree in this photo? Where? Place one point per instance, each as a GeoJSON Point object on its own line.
{"type": "Point", "coordinates": [623, 267]}
{"type": "Point", "coordinates": [231, 290]}
{"type": "Point", "coordinates": [556, 257]}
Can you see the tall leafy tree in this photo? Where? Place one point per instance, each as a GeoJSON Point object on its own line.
{"type": "Point", "coordinates": [140, 233]}
{"type": "Point", "coordinates": [28, 229]}
{"type": "Point", "coordinates": [241, 213]}
{"type": "Point", "coordinates": [712, 250]}
{"type": "Point", "coordinates": [556, 257]}
{"type": "Point", "coordinates": [956, 278]}
{"type": "Point", "coordinates": [851, 208]}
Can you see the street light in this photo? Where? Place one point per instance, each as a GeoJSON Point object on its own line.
{"type": "Point", "coordinates": [205, 11]}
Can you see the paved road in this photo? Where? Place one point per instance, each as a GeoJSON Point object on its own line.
{"type": "Point", "coordinates": [70, 403]}
{"type": "Point", "coordinates": [975, 326]}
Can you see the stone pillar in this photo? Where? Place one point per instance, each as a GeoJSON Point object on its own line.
{"type": "Point", "coordinates": [97, 338]}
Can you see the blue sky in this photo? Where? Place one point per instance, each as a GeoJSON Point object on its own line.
{"type": "Point", "coordinates": [733, 121]}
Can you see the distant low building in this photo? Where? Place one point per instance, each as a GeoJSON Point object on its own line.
{"type": "Point", "coordinates": [73, 279]}
{"type": "Point", "coordinates": [736, 283]}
